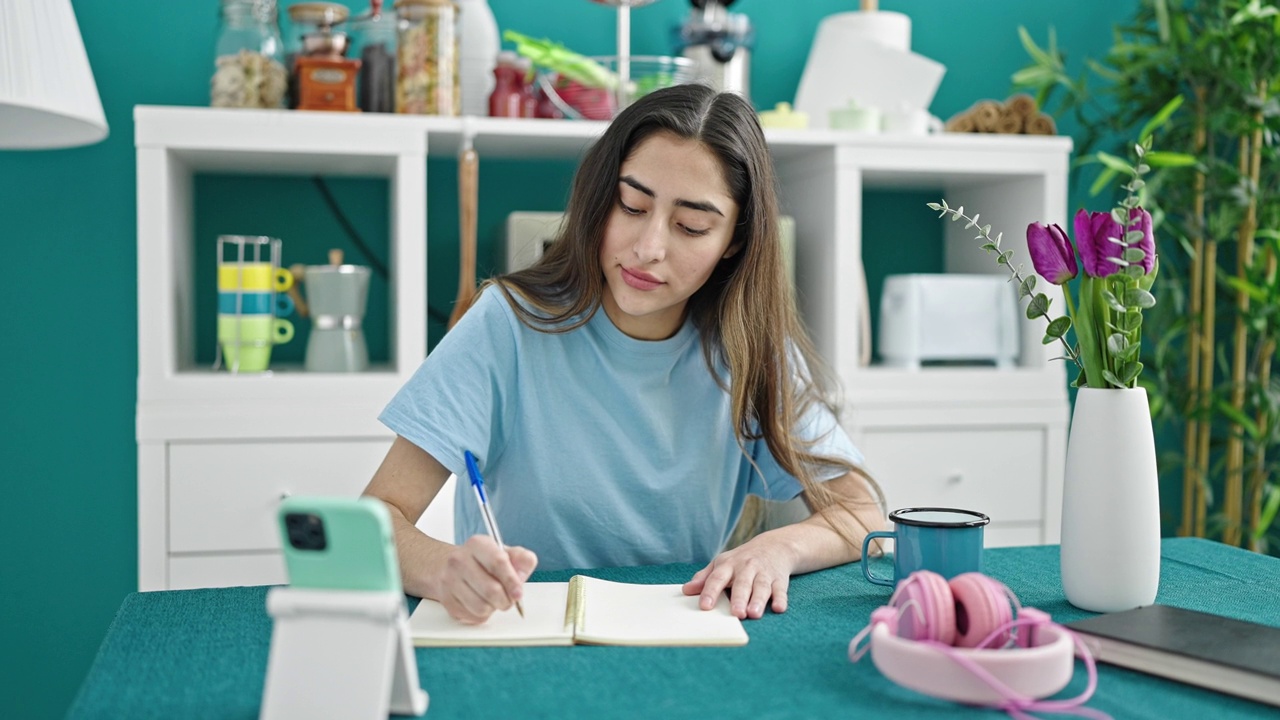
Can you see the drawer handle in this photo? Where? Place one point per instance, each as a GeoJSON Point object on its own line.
{"type": "Point", "coordinates": [955, 478]}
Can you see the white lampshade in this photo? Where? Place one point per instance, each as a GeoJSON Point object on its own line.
{"type": "Point", "coordinates": [47, 95]}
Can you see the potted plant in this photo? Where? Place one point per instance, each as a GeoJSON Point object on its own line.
{"type": "Point", "coordinates": [1110, 548]}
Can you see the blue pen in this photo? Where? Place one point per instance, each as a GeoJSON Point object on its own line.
{"type": "Point", "coordinates": [477, 484]}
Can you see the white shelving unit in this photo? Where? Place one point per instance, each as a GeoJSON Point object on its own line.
{"type": "Point", "coordinates": [217, 451]}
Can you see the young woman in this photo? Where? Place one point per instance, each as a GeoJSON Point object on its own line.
{"type": "Point", "coordinates": [625, 395]}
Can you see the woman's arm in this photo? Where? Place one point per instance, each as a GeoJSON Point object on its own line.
{"type": "Point", "coordinates": [760, 569]}
{"type": "Point", "coordinates": [471, 580]}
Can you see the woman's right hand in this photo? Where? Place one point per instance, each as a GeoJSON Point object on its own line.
{"type": "Point", "coordinates": [477, 578]}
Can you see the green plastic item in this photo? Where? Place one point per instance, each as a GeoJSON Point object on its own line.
{"type": "Point", "coordinates": [557, 58]}
{"type": "Point", "coordinates": [338, 544]}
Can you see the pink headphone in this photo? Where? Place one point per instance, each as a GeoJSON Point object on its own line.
{"type": "Point", "coordinates": [969, 640]}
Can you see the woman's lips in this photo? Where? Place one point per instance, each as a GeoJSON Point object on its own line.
{"type": "Point", "coordinates": [640, 280]}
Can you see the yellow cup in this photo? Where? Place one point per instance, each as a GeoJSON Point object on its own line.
{"type": "Point", "coordinates": [253, 276]}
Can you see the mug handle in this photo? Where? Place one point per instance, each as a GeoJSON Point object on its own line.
{"type": "Point", "coordinates": [283, 279]}
{"type": "Point", "coordinates": [866, 566]}
{"type": "Point", "coordinates": [284, 305]}
{"type": "Point", "coordinates": [281, 331]}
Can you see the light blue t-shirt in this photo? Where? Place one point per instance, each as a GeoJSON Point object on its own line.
{"type": "Point", "coordinates": [597, 449]}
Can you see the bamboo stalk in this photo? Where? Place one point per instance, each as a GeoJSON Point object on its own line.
{"type": "Point", "coordinates": [1192, 480]}
{"type": "Point", "coordinates": [1208, 317]}
{"type": "Point", "coordinates": [1233, 480]}
{"type": "Point", "coordinates": [1257, 477]}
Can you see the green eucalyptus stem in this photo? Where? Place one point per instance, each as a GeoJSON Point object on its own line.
{"type": "Point", "coordinates": [1039, 304]}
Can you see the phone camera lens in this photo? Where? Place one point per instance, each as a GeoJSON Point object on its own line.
{"type": "Point", "coordinates": [305, 530]}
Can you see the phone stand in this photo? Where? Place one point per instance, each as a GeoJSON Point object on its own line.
{"type": "Point", "coordinates": [340, 653]}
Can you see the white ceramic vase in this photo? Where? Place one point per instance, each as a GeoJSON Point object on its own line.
{"type": "Point", "coordinates": [1111, 503]}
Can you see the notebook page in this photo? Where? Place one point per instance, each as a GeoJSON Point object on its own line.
{"type": "Point", "coordinates": [626, 614]}
{"type": "Point", "coordinates": [542, 624]}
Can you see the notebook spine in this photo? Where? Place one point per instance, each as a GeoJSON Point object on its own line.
{"type": "Point", "coordinates": [575, 609]}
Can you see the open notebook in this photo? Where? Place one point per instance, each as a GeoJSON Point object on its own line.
{"type": "Point", "coordinates": [586, 611]}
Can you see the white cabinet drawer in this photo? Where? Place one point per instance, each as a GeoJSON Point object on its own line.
{"type": "Point", "coordinates": [999, 472]}
{"type": "Point", "coordinates": [208, 571]}
{"type": "Point", "coordinates": [223, 496]}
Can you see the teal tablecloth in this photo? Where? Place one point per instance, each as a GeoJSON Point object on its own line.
{"type": "Point", "coordinates": [203, 654]}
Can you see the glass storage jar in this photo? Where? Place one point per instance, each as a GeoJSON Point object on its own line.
{"type": "Point", "coordinates": [427, 58]}
{"type": "Point", "coordinates": [249, 69]}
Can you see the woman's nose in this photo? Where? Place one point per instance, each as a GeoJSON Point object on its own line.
{"type": "Point", "coordinates": [651, 246]}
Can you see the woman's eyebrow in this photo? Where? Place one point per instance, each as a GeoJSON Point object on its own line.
{"type": "Point", "coordinates": [702, 205]}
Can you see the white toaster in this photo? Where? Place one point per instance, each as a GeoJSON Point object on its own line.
{"type": "Point", "coordinates": [949, 318]}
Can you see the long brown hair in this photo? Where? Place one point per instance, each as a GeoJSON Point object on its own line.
{"type": "Point", "coordinates": [745, 312]}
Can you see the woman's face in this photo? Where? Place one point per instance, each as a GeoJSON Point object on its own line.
{"type": "Point", "coordinates": [672, 224]}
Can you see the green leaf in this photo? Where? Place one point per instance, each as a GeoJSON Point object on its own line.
{"type": "Point", "coordinates": [1112, 301]}
{"type": "Point", "coordinates": [1111, 378]}
{"type": "Point", "coordinates": [1159, 119]}
{"type": "Point", "coordinates": [1057, 328]}
{"type": "Point", "coordinates": [1032, 76]}
{"type": "Point", "coordinates": [1116, 344]}
{"type": "Point", "coordinates": [1269, 510]}
{"type": "Point", "coordinates": [1237, 416]}
{"type": "Point", "coordinates": [1119, 215]}
{"type": "Point", "coordinates": [1133, 237]}
{"type": "Point", "coordinates": [1038, 55]}
{"type": "Point", "coordinates": [1137, 297]}
{"type": "Point", "coordinates": [1028, 285]}
{"type": "Point", "coordinates": [1004, 257]}
{"type": "Point", "coordinates": [1132, 320]}
{"type": "Point", "coordinates": [989, 247]}
{"type": "Point", "coordinates": [1133, 255]}
{"type": "Point", "coordinates": [1038, 307]}
{"type": "Point", "coordinates": [972, 221]}
{"type": "Point", "coordinates": [1131, 372]}
{"type": "Point", "coordinates": [1136, 271]}
{"type": "Point", "coordinates": [933, 206]}
{"type": "Point", "coordinates": [1103, 181]}
{"type": "Point", "coordinates": [1157, 158]}
{"type": "Point", "coordinates": [1115, 163]}
{"type": "Point", "coordinates": [1243, 286]}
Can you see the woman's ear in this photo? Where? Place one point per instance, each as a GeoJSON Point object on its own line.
{"type": "Point", "coordinates": [733, 250]}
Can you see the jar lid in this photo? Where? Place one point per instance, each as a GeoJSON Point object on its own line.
{"type": "Point", "coordinates": [318, 13]}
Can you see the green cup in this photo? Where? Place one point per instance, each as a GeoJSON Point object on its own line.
{"type": "Point", "coordinates": [247, 340]}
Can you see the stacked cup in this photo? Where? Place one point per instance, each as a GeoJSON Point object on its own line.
{"type": "Point", "coordinates": [249, 313]}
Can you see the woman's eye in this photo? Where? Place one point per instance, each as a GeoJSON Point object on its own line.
{"type": "Point", "coordinates": [628, 209]}
{"type": "Point", "coordinates": [695, 232]}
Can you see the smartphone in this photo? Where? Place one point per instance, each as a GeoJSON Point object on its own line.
{"type": "Point", "coordinates": [333, 543]}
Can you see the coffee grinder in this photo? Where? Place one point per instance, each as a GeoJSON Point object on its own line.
{"type": "Point", "coordinates": [719, 44]}
{"type": "Point", "coordinates": [325, 79]}
{"type": "Point", "coordinates": [336, 301]}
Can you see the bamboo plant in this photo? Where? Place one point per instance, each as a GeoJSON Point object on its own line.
{"type": "Point", "coordinates": [1215, 200]}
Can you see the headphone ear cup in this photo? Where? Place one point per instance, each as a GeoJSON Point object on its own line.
{"type": "Point", "coordinates": [980, 607]}
{"type": "Point", "coordinates": [927, 608]}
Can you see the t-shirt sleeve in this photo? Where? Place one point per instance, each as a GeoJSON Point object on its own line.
{"type": "Point", "coordinates": [462, 396]}
{"type": "Point", "coordinates": [820, 425]}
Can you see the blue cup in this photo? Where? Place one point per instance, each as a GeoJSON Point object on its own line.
{"type": "Point", "coordinates": [254, 303]}
{"type": "Point", "coordinates": [947, 541]}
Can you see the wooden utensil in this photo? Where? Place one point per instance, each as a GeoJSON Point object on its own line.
{"type": "Point", "coordinates": [468, 191]}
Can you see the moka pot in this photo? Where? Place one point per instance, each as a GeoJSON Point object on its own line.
{"type": "Point", "coordinates": [336, 296]}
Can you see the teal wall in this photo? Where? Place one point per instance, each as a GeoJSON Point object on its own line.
{"type": "Point", "coordinates": [67, 223]}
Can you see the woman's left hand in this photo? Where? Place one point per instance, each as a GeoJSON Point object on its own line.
{"type": "Point", "coordinates": [754, 573]}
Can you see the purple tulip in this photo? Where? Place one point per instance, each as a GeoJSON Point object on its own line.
{"type": "Point", "coordinates": [1094, 232]}
{"type": "Point", "coordinates": [1140, 219]}
{"type": "Point", "coordinates": [1051, 253]}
